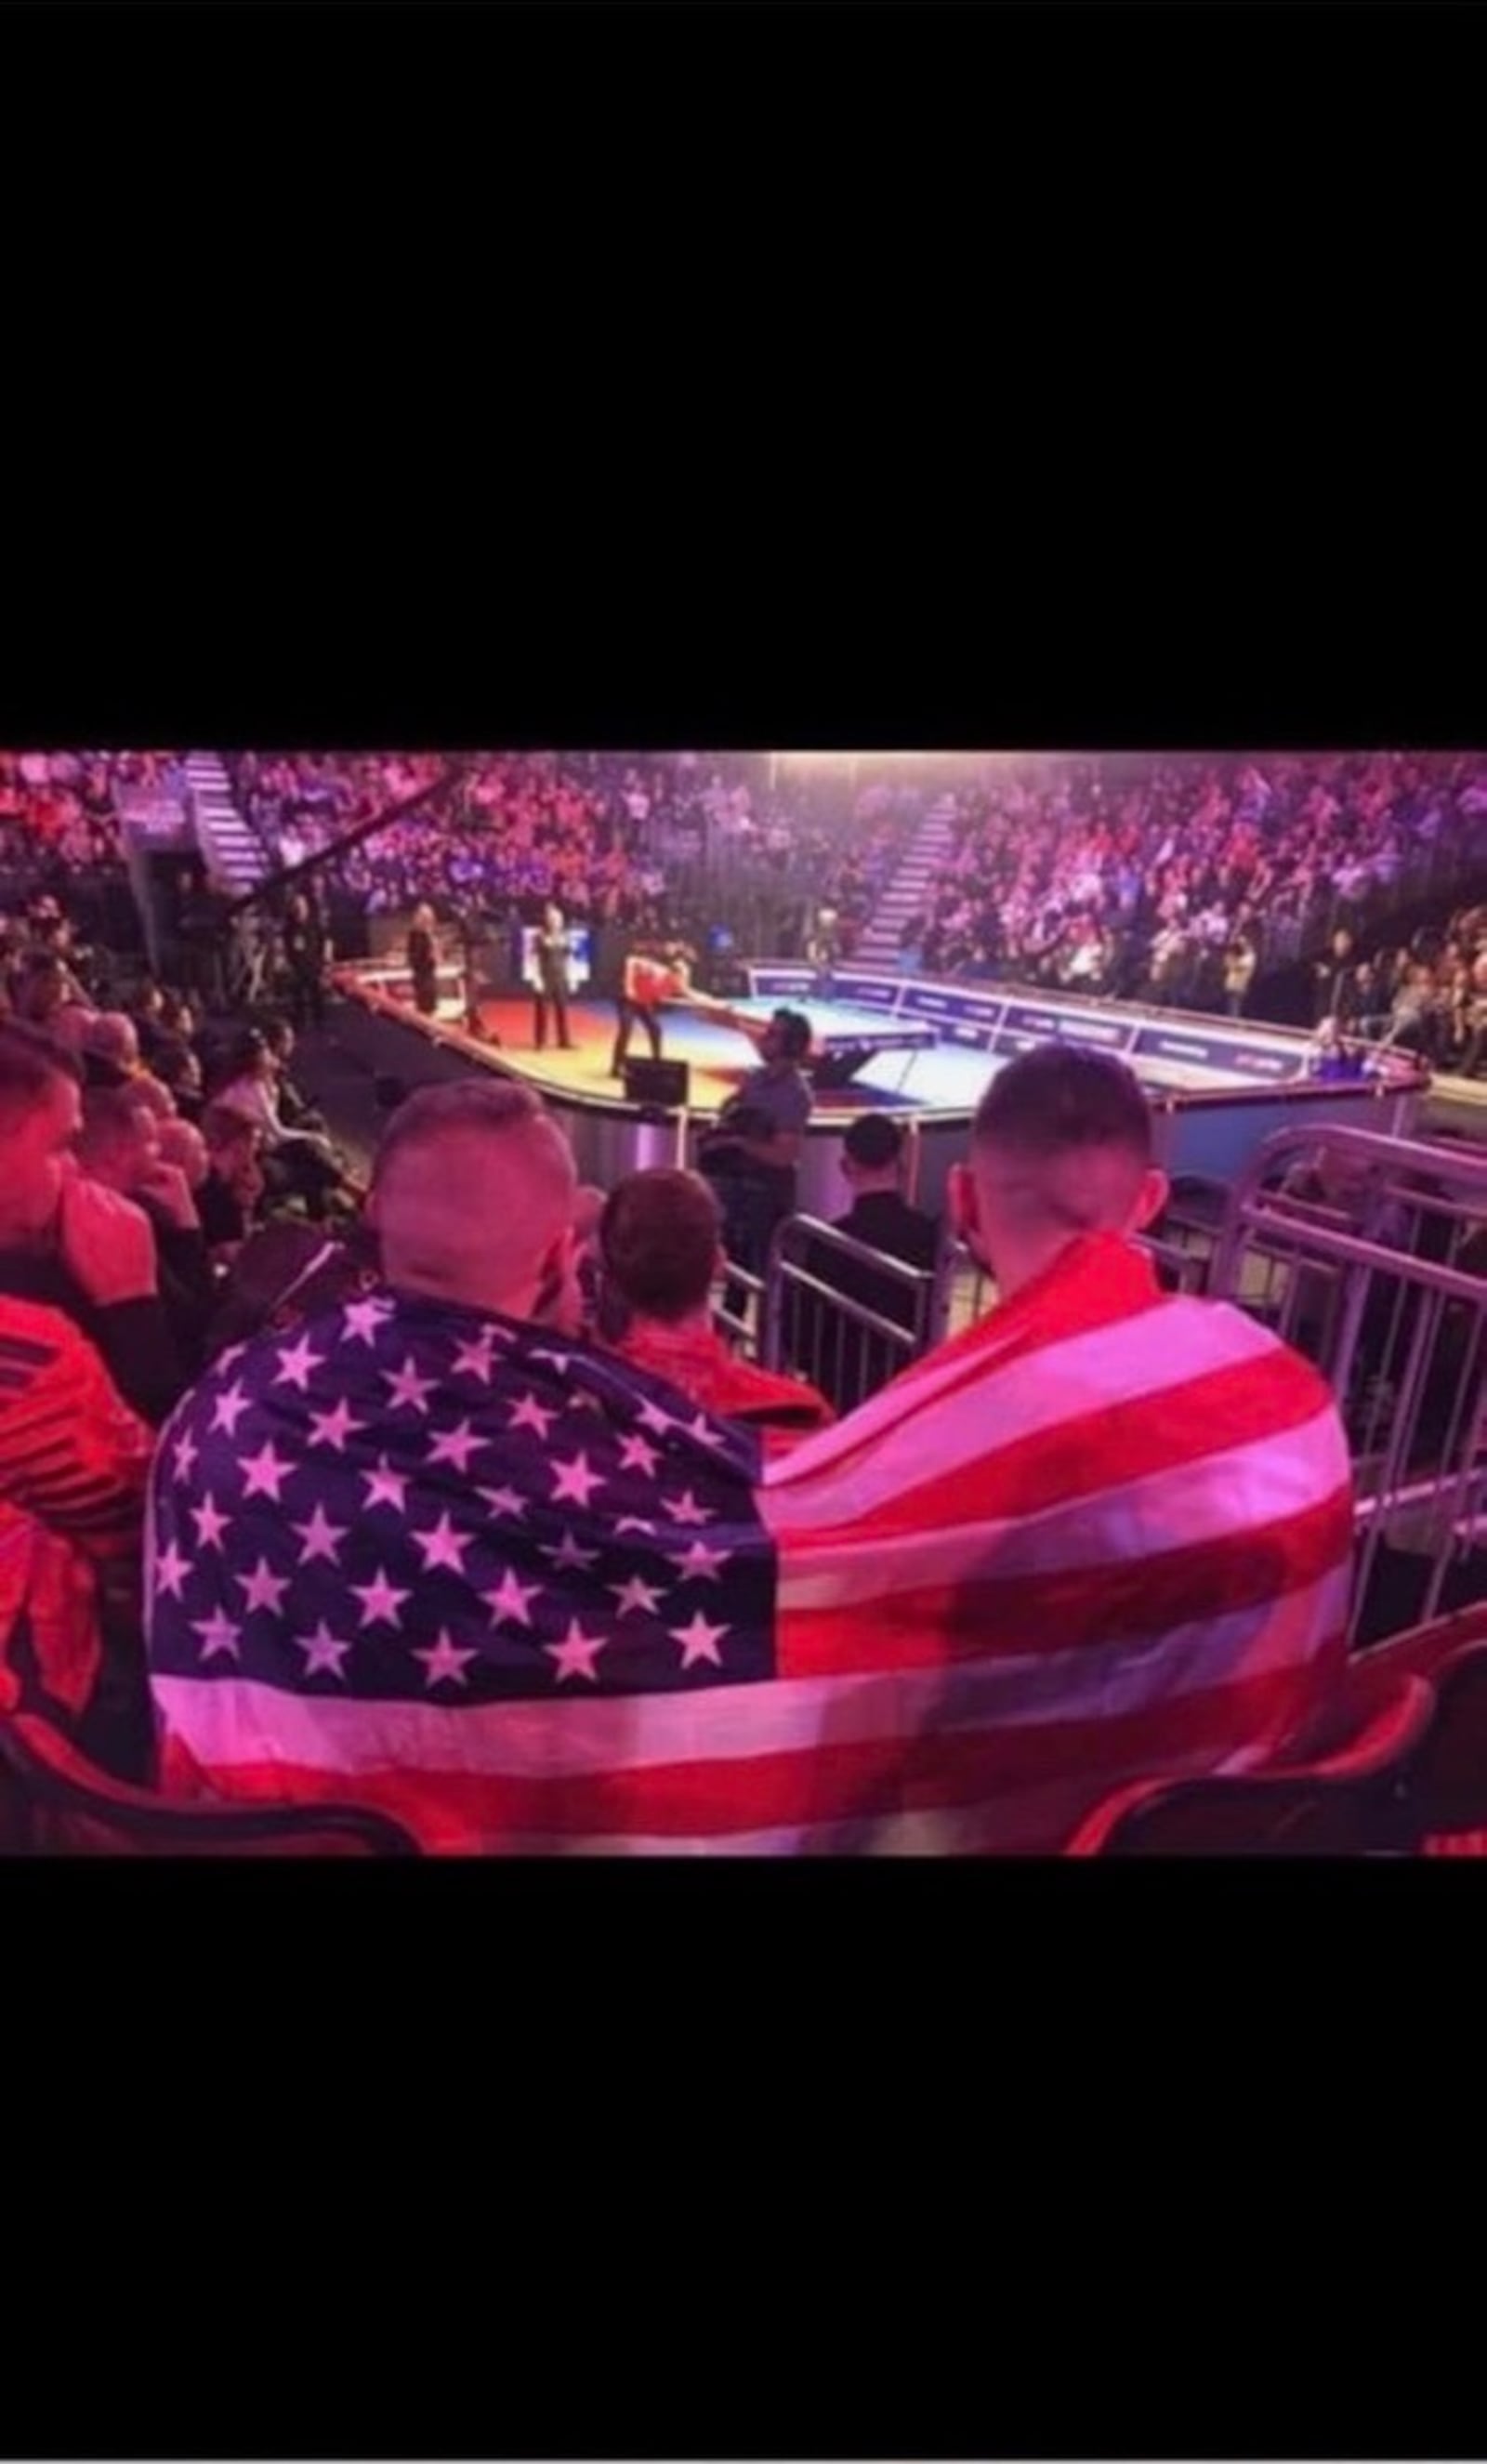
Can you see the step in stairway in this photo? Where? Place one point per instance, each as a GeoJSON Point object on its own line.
{"type": "Point", "coordinates": [909, 890]}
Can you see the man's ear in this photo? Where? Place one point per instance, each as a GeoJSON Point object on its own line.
{"type": "Point", "coordinates": [1155, 1191]}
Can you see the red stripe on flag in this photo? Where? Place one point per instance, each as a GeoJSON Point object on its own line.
{"type": "Point", "coordinates": [823, 1784]}
{"type": "Point", "coordinates": [1067, 1610]}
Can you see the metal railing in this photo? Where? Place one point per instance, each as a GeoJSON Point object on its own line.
{"type": "Point", "coordinates": [1370, 1255]}
{"type": "Point", "coordinates": [819, 1323]}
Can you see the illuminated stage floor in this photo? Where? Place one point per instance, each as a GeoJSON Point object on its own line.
{"type": "Point", "coordinates": [719, 1056]}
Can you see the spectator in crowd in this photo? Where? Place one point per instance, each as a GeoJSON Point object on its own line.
{"type": "Point", "coordinates": [849, 1360]}
{"type": "Point", "coordinates": [120, 1147]}
{"type": "Point", "coordinates": [69, 1242]}
{"type": "Point", "coordinates": [74, 1463]}
{"type": "Point", "coordinates": [234, 1190]}
{"type": "Point", "coordinates": [300, 1163]}
{"type": "Point", "coordinates": [661, 1250]}
{"type": "Point", "coordinates": [174, 1066]}
{"type": "Point", "coordinates": [1145, 1498]}
{"type": "Point", "coordinates": [437, 1443]}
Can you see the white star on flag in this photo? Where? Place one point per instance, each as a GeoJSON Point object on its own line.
{"type": "Point", "coordinates": [263, 1587]}
{"type": "Point", "coordinates": [529, 1414]}
{"type": "Point", "coordinates": [510, 1598]}
{"type": "Point", "coordinates": [445, 1661]}
{"type": "Point", "coordinates": [473, 1361]}
{"type": "Point", "coordinates": [171, 1569]}
{"type": "Point", "coordinates": [700, 1564]}
{"type": "Point", "coordinates": [575, 1656]}
{"type": "Point", "coordinates": [455, 1447]}
{"type": "Point", "coordinates": [406, 1387]}
{"type": "Point", "coordinates": [363, 1318]}
{"type": "Point", "coordinates": [333, 1428]}
{"type": "Point", "coordinates": [659, 1423]}
{"type": "Point", "coordinates": [229, 1410]}
{"type": "Point", "coordinates": [503, 1501]}
{"type": "Point", "coordinates": [382, 1601]}
{"type": "Point", "coordinates": [210, 1524]}
{"type": "Point", "coordinates": [568, 1553]}
{"type": "Point", "coordinates": [322, 1652]}
{"type": "Point", "coordinates": [574, 1479]}
{"type": "Point", "coordinates": [558, 1359]}
{"type": "Point", "coordinates": [263, 1473]}
{"type": "Point", "coordinates": [704, 1437]}
{"type": "Point", "coordinates": [699, 1641]}
{"type": "Point", "coordinates": [638, 1454]}
{"type": "Point", "coordinates": [636, 1595]}
{"type": "Point", "coordinates": [443, 1546]}
{"type": "Point", "coordinates": [297, 1363]}
{"type": "Point", "coordinates": [685, 1509]}
{"type": "Point", "coordinates": [218, 1633]}
{"type": "Point", "coordinates": [319, 1536]}
{"type": "Point", "coordinates": [186, 1451]}
{"type": "Point", "coordinates": [385, 1487]}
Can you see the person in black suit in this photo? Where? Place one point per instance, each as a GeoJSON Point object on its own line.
{"type": "Point", "coordinates": [424, 961]}
{"type": "Point", "coordinates": [303, 942]}
{"type": "Point", "coordinates": [843, 1358]}
{"type": "Point", "coordinates": [553, 957]}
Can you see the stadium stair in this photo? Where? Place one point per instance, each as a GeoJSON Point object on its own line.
{"type": "Point", "coordinates": [229, 848]}
{"type": "Point", "coordinates": [909, 890]}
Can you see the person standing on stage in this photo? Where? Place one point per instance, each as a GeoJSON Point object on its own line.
{"type": "Point", "coordinates": [553, 958]}
{"type": "Point", "coordinates": [304, 946]}
{"type": "Point", "coordinates": [424, 961]}
{"type": "Point", "coordinates": [655, 971]}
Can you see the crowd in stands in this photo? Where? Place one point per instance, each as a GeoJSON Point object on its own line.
{"type": "Point", "coordinates": [1427, 996]}
{"type": "Point", "coordinates": [609, 838]}
{"type": "Point", "coordinates": [1174, 879]}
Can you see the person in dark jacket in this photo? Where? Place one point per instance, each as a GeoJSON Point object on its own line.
{"type": "Point", "coordinates": [424, 961]}
{"type": "Point", "coordinates": [844, 1357]}
{"type": "Point", "coordinates": [304, 946]}
{"type": "Point", "coordinates": [552, 959]}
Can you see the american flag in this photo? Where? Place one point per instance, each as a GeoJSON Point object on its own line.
{"type": "Point", "coordinates": [526, 1598]}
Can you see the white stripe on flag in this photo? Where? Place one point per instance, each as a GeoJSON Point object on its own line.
{"type": "Point", "coordinates": [1213, 1498]}
{"type": "Point", "coordinates": [831, 1479]}
{"type": "Point", "coordinates": [226, 1722]}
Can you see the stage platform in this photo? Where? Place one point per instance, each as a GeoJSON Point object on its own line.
{"type": "Point", "coordinates": [924, 1051]}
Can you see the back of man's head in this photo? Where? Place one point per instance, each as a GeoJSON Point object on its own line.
{"type": "Point", "coordinates": [660, 1238]}
{"type": "Point", "coordinates": [473, 1197]}
{"type": "Point", "coordinates": [119, 1137]}
{"type": "Point", "coordinates": [873, 1150]}
{"type": "Point", "coordinates": [1062, 1144]}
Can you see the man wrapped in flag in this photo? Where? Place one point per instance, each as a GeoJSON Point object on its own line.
{"type": "Point", "coordinates": [427, 1553]}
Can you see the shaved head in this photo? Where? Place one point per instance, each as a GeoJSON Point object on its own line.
{"type": "Point", "coordinates": [473, 1196]}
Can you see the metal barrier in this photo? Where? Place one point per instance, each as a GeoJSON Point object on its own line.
{"type": "Point", "coordinates": [817, 1323]}
{"type": "Point", "coordinates": [1370, 1255]}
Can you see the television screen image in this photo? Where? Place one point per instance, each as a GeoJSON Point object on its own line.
{"type": "Point", "coordinates": [581, 963]}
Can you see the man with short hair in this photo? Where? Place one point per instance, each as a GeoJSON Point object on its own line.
{"type": "Point", "coordinates": [68, 1242]}
{"type": "Point", "coordinates": [847, 1358]}
{"type": "Point", "coordinates": [424, 1547]}
{"type": "Point", "coordinates": [1118, 1522]}
{"type": "Point", "coordinates": [661, 1245]}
